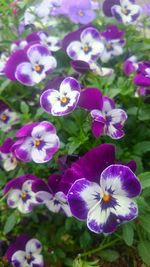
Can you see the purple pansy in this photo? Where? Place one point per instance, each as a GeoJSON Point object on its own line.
{"type": "Point", "coordinates": [8, 159]}
{"type": "Point", "coordinates": [113, 42]}
{"type": "Point", "coordinates": [142, 77]}
{"type": "Point", "coordinates": [21, 192]}
{"type": "Point", "coordinates": [109, 120]}
{"type": "Point", "coordinates": [25, 252]}
{"type": "Point", "coordinates": [37, 141]}
{"type": "Point", "coordinates": [130, 65]}
{"type": "Point", "coordinates": [54, 199]}
{"type": "Point", "coordinates": [52, 42]}
{"type": "Point", "coordinates": [106, 204]}
{"type": "Point", "coordinates": [63, 101]}
{"type": "Point", "coordinates": [90, 166]}
{"type": "Point", "coordinates": [107, 5]}
{"type": "Point", "coordinates": [126, 11]}
{"type": "Point", "coordinates": [33, 71]}
{"type": "Point", "coordinates": [8, 118]}
{"type": "Point", "coordinates": [88, 48]}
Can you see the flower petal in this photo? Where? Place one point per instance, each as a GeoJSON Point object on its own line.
{"type": "Point", "coordinates": [33, 246]}
{"type": "Point", "coordinates": [90, 98]}
{"type": "Point", "coordinates": [97, 128]}
{"type": "Point", "coordinates": [24, 74]}
{"type": "Point", "coordinates": [13, 198]}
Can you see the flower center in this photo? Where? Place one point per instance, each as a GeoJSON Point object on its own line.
{"type": "Point", "coordinates": [37, 68]}
{"type": "Point", "coordinates": [24, 195]}
{"type": "Point", "coordinates": [3, 117]}
{"type": "Point", "coordinates": [81, 14]}
{"type": "Point", "coordinates": [86, 48]}
{"type": "Point", "coordinates": [37, 142]}
{"type": "Point", "coordinates": [64, 99]}
{"type": "Point", "coordinates": [28, 257]}
{"type": "Point", "coordinates": [109, 46]}
{"type": "Point", "coordinates": [125, 11]}
{"type": "Point", "coordinates": [106, 198]}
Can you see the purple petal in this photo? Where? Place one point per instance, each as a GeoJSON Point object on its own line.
{"type": "Point", "coordinates": [5, 147]}
{"type": "Point", "coordinates": [33, 37]}
{"type": "Point", "coordinates": [107, 5]}
{"type": "Point", "coordinates": [127, 179]}
{"type": "Point", "coordinates": [23, 74]}
{"type": "Point", "coordinates": [53, 182]}
{"type": "Point", "coordinates": [26, 129]}
{"type": "Point", "coordinates": [141, 80]}
{"type": "Point", "coordinates": [90, 98]}
{"type": "Point", "coordinates": [15, 59]}
{"type": "Point", "coordinates": [80, 66]}
{"type": "Point", "coordinates": [112, 32]}
{"type": "Point", "coordinates": [19, 244]}
{"type": "Point", "coordinates": [97, 128]}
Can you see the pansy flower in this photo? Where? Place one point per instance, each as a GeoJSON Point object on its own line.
{"type": "Point", "coordinates": [130, 65]}
{"type": "Point", "coordinates": [8, 159]}
{"type": "Point", "coordinates": [63, 101]}
{"type": "Point", "coordinates": [52, 42]}
{"type": "Point", "coordinates": [8, 118]}
{"type": "Point", "coordinates": [54, 199]}
{"type": "Point", "coordinates": [126, 11]}
{"type": "Point", "coordinates": [88, 48]}
{"type": "Point", "coordinates": [107, 5]}
{"type": "Point", "coordinates": [21, 192]}
{"type": "Point", "coordinates": [25, 252]}
{"type": "Point", "coordinates": [90, 166]}
{"type": "Point", "coordinates": [37, 141]}
{"type": "Point", "coordinates": [106, 204]}
{"type": "Point", "coordinates": [113, 42]}
{"type": "Point", "coordinates": [35, 69]}
{"type": "Point", "coordinates": [109, 120]}
{"type": "Point", "coordinates": [30, 65]}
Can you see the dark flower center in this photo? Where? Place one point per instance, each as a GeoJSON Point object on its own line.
{"type": "Point", "coordinates": [4, 117]}
{"type": "Point", "coordinates": [125, 11]}
{"type": "Point", "coordinates": [87, 49]}
{"type": "Point", "coordinates": [37, 142]}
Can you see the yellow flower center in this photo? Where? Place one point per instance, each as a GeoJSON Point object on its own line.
{"type": "Point", "coordinates": [37, 142]}
{"type": "Point", "coordinates": [106, 198]}
{"type": "Point", "coordinates": [125, 11]}
{"type": "Point", "coordinates": [80, 13]}
{"type": "Point", "coordinates": [64, 99]}
{"type": "Point", "coordinates": [109, 46]}
{"type": "Point", "coordinates": [4, 118]}
{"type": "Point", "coordinates": [37, 68]}
{"type": "Point", "coordinates": [86, 48]}
{"type": "Point", "coordinates": [24, 195]}
{"type": "Point", "coordinates": [28, 257]}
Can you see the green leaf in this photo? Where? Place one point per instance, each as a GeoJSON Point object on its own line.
{"type": "Point", "coordinates": [143, 249]}
{"type": "Point", "coordinates": [24, 107]}
{"type": "Point", "coordinates": [145, 222]}
{"type": "Point", "coordinates": [142, 148]}
{"type": "Point", "coordinates": [128, 233]}
{"type": "Point", "coordinates": [78, 262]}
{"type": "Point", "coordinates": [85, 240]}
{"type": "Point", "coordinates": [109, 255]}
{"type": "Point", "coordinates": [10, 223]}
{"type": "Point", "coordinates": [145, 179]}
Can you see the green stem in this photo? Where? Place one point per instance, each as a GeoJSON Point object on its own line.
{"type": "Point", "coordinates": [99, 248]}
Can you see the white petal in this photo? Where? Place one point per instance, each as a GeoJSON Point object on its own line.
{"type": "Point", "coordinates": [13, 198]}
{"type": "Point", "coordinates": [33, 246]}
{"type": "Point", "coordinates": [38, 156]}
{"type": "Point", "coordinates": [19, 256]}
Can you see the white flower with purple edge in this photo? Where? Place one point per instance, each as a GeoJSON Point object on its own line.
{"type": "Point", "coordinates": [106, 205]}
{"type": "Point", "coordinates": [89, 48]}
{"type": "Point", "coordinates": [21, 192]}
{"type": "Point", "coordinates": [25, 252]}
{"type": "Point", "coordinates": [127, 12]}
{"type": "Point", "coordinates": [38, 142]}
{"type": "Point", "coordinates": [52, 42]}
{"type": "Point", "coordinates": [109, 120]}
{"type": "Point", "coordinates": [35, 70]}
{"type": "Point", "coordinates": [8, 159]}
{"type": "Point", "coordinates": [64, 101]}
{"type": "Point", "coordinates": [7, 119]}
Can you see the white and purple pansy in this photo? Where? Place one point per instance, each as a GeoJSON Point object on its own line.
{"type": "Point", "coordinates": [109, 120]}
{"type": "Point", "coordinates": [63, 101]}
{"type": "Point", "coordinates": [8, 118]}
{"type": "Point", "coordinates": [107, 204]}
{"type": "Point", "coordinates": [53, 198]}
{"type": "Point", "coordinates": [21, 192]}
{"type": "Point", "coordinates": [39, 63]}
{"type": "Point", "coordinates": [25, 252]}
{"type": "Point", "coordinates": [113, 42]}
{"type": "Point", "coordinates": [52, 42]}
{"type": "Point", "coordinates": [126, 11]}
{"type": "Point", "coordinates": [88, 48]}
{"type": "Point", "coordinates": [130, 65]}
{"type": "Point", "coordinates": [8, 159]}
{"type": "Point", "coordinates": [37, 142]}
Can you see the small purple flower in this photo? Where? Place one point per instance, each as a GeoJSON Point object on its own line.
{"type": "Point", "coordinates": [142, 91]}
{"type": "Point", "coordinates": [81, 12]}
{"type": "Point", "coordinates": [52, 42]}
{"type": "Point", "coordinates": [108, 120]}
{"type": "Point", "coordinates": [126, 12]}
{"type": "Point", "coordinates": [130, 65]}
{"type": "Point", "coordinates": [25, 252]}
{"type": "Point", "coordinates": [21, 192]}
{"type": "Point", "coordinates": [88, 48]}
{"type": "Point", "coordinates": [8, 159]}
{"type": "Point", "coordinates": [55, 200]}
{"type": "Point", "coordinates": [39, 63]}
{"type": "Point", "coordinates": [107, 204]}
{"type": "Point", "coordinates": [61, 102]}
{"type": "Point", "coordinates": [8, 118]}
{"type": "Point", "coordinates": [113, 42]}
{"type": "Point", "coordinates": [142, 77]}
{"type": "Point", "coordinates": [38, 141]}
